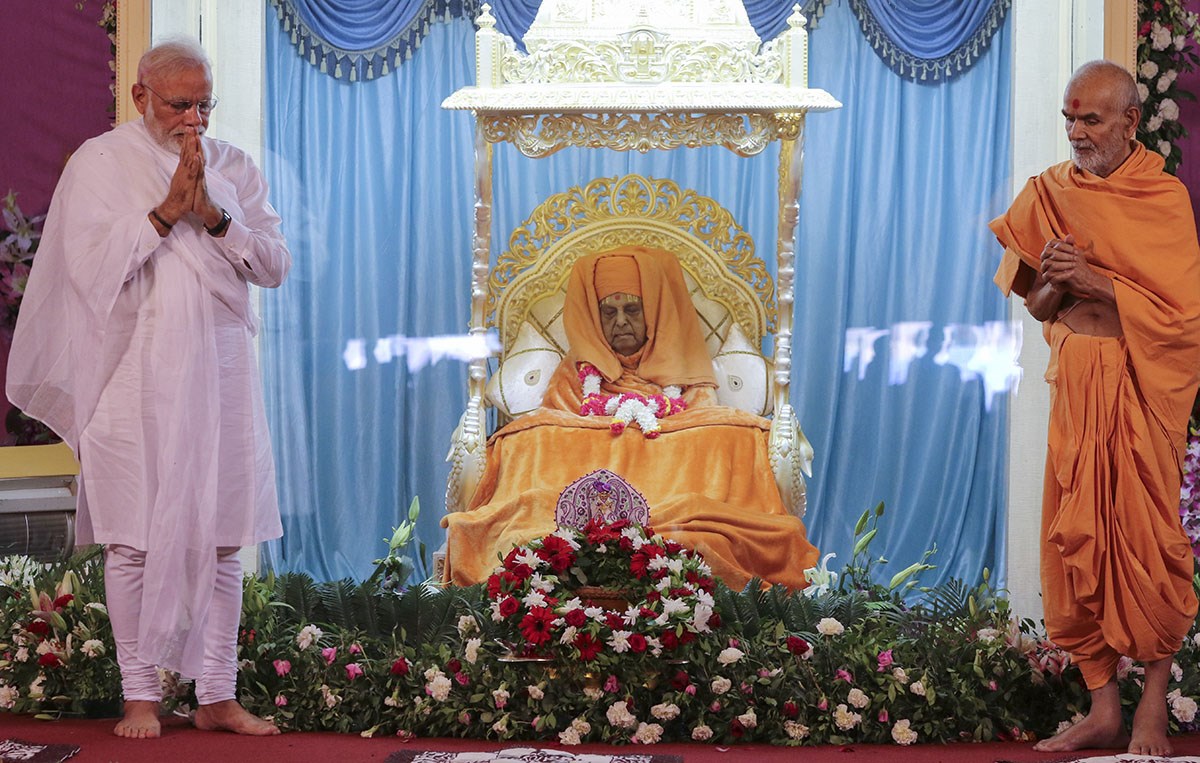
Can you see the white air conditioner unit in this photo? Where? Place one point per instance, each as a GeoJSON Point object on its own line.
{"type": "Point", "coordinates": [37, 516]}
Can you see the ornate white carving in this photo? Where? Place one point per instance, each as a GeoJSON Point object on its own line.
{"type": "Point", "coordinates": [791, 456]}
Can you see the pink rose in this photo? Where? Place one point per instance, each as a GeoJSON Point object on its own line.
{"type": "Point", "coordinates": [282, 667]}
{"type": "Point", "coordinates": [844, 675]}
{"type": "Point", "coordinates": [355, 649]}
{"type": "Point", "coordinates": [612, 685]}
{"type": "Point", "coordinates": [280, 700]}
{"type": "Point", "coordinates": [885, 660]}
{"type": "Point", "coordinates": [883, 716]}
{"type": "Point", "coordinates": [353, 671]}
{"type": "Point", "coordinates": [330, 654]}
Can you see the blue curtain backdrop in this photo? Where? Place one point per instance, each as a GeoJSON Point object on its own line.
{"type": "Point", "coordinates": [374, 182]}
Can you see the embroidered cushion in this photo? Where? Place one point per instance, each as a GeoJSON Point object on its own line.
{"type": "Point", "coordinates": [520, 382]}
{"type": "Point", "coordinates": [743, 375]}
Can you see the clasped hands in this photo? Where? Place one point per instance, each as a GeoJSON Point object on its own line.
{"type": "Point", "coordinates": [1065, 268]}
{"type": "Point", "coordinates": [188, 193]}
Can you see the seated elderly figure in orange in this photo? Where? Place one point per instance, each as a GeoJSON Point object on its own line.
{"type": "Point", "coordinates": [703, 470]}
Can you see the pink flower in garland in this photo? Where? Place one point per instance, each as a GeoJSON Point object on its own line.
{"type": "Point", "coordinates": [1189, 498]}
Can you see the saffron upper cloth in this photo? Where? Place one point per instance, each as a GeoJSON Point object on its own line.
{"type": "Point", "coordinates": [1116, 564]}
{"type": "Point", "coordinates": [137, 350]}
{"type": "Point", "coordinates": [707, 477]}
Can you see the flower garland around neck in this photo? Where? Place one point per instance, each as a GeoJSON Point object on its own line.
{"type": "Point", "coordinates": [628, 407]}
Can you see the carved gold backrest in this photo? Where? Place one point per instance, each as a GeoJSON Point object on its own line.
{"type": "Point", "coordinates": [728, 282]}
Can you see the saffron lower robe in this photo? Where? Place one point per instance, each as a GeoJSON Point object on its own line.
{"type": "Point", "coordinates": [1116, 564]}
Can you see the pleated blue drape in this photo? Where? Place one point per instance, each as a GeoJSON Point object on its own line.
{"type": "Point", "coordinates": [374, 183]}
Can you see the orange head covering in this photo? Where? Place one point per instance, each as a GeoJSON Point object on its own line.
{"type": "Point", "coordinates": [617, 274]}
{"type": "Point", "coordinates": [674, 352]}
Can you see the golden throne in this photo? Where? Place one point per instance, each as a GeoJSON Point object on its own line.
{"type": "Point", "coordinates": [601, 75]}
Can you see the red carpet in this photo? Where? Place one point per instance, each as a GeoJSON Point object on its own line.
{"type": "Point", "coordinates": [182, 744]}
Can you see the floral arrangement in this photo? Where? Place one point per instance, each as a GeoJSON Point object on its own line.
{"type": "Point", "coordinates": [1164, 52]}
{"type": "Point", "coordinates": [627, 407]}
{"type": "Point", "coordinates": [857, 662]}
{"type": "Point", "coordinates": [651, 597]}
{"type": "Point", "coordinates": [18, 244]}
{"type": "Point", "coordinates": [1189, 499]}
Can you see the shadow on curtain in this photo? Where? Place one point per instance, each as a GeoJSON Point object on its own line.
{"type": "Point", "coordinates": [374, 180]}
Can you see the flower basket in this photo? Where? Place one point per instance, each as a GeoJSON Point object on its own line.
{"type": "Point", "coordinates": [616, 599]}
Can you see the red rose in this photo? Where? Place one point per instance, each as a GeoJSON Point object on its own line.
{"type": "Point", "coordinates": [614, 621]}
{"type": "Point", "coordinates": [535, 626]}
{"type": "Point", "coordinates": [63, 600]}
{"type": "Point", "coordinates": [454, 666]}
{"type": "Point", "coordinates": [575, 618]}
{"type": "Point", "coordinates": [672, 547]}
{"type": "Point", "coordinates": [647, 613]}
{"type": "Point", "coordinates": [493, 586]}
{"type": "Point", "coordinates": [38, 627]}
{"type": "Point", "coordinates": [400, 667]}
{"type": "Point", "coordinates": [508, 606]}
{"type": "Point", "coordinates": [653, 596]}
{"type": "Point", "coordinates": [736, 729]}
{"type": "Point", "coordinates": [637, 643]}
{"type": "Point", "coordinates": [49, 660]}
{"type": "Point", "coordinates": [589, 646]}
{"type": "Point", "coordinates": [669, 640]}
{"type": "Point", "coordinates": [680, 680]}
{"type": "Point", "coordinates": [714, 620]}
{"type": "Point", "coordinates": [790, 710]}
{"type": "Point", "coordinates": [797, 645]}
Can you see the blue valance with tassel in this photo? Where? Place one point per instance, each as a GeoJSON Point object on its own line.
{"type": "Point", "coordinates": [929, 39]}
{"type": "Point", "coordinates": [362, 39]}
{"type": "Point", "coordinates": [357, 40]}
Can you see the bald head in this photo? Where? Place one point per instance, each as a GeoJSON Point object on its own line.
{"type": "Point", "coordinates": [1102, 109]}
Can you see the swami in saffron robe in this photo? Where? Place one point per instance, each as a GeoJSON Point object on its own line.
{"type": "Point", "coordinates": [1116, 564]}
{"type": "Point", "coordinates": [707, 477]}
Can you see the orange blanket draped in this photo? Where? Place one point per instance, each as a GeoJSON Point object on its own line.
{"type": "Point", "coordinates": [706, 478]}
{"type": "Point", "coordinates": [1116, 564]}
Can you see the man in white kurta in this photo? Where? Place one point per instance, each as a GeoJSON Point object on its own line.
{"type": "Point", "coordinates": [134, 343]}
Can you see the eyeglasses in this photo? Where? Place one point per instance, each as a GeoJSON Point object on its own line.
{"type": "Point", "coordinates": [180, 106]}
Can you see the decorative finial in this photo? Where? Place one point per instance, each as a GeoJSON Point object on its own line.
{"type": "Point", "coordinates": [486, 19]}
{"type": "Point", "coordinates": [796, 19]}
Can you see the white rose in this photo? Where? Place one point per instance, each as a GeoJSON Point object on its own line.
{"type": "Point", "coordinates": [618, 715]}
{"type": "Point", "coordinates": [667, 711]}
{"type": "Point", "coordinates": [900, 675]}
{"type": "Point", "coordinates": [1160, 36]}
{"type": "Point", "coordinates": [730, 655]}
{"type": "Point", "coordinates": [1184, 709]}
{"type": "Point", "coordinates": [466, 624]}
{"type": "Point", "coordinates": [308, 634]}
{"type": "Point", "coordinates": [583, 727]}
{"type": "Point", "coordinates": [569, 736]}
{"type": "Point", "coordinates": [844, 719]}
{"type": "Point", "coordinates": [35, 688]}
{"type": "Point", "coordinates": [1153, 123]}
{"type": "Point", "coordinates": [1168, 109]}
{"type": "Point", "coordinates": [902, 733]}
{"type": "Point", "coordinates": [472, 650]}
{"type": "Point", "coordinates": [92, 647]}
{"type": "Point", "coordinates": [648, 733]}
{"type": "Point", "coordinates": [439, 688]}
{"type": "Point", "coordinates": [1164, 148]}
{"type": "Point", "coordinates": [1163, 83]}
{"type": "Point", "coordinates": [8, 696]}
{"type": "Point", "coordinates": [22, 655]}
{"type": "Point", "coordinates": [720, 685]}
{"type": "Point", "coordinates": [702, 733]}
{"type": "Point", "coordinates": [918, 688]}
{"type": "Point", "coordinates": [1176, 672]}
{"type": "Point", "coordinates": [535, 692]}
{"type": "Point", "coordinates": [1148, 70]}
{"type": "Point", "coordinates": [1179, 41]}
{"type": "Point", "coordinates": [1143, 91]}
{"type": "Point", "coordinates": [830, 627]}
{"type": "Point", "coordinates": [857, 698]}
{"type": "Point", "coordinates": [795, 730]}
{"type": "Point", "coordinates": [748, 719]}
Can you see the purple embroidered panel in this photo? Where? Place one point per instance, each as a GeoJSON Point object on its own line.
{"type": "Point", "coordinates": [600, 494]}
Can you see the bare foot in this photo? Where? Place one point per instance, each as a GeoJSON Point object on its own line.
{"type": "Point", "coordinates": [230, 716]}
{"type": "Point", "coordinates": [1150, 728]}
{"type": "Point", "coordinates": [1096, 731]}
{"type": "Point", "coordinates": [139, 721]}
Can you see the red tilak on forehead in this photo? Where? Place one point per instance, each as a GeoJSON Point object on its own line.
{"type": "Point", "coordinates": [1075, 103]}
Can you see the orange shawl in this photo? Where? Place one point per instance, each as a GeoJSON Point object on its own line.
{"type": "Point", "coordinates": [1141, 224]}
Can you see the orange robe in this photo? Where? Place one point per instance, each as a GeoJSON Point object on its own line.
{"type": "Point", "coordinates": [1116, 564]}
{"type": "Point", "coordinates": [707, 477]}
